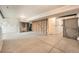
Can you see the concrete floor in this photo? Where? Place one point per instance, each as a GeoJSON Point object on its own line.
{"type": "Point", "coordinates": [35, 43]}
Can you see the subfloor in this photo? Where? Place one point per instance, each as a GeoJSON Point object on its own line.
{"type": "Point", "coordinates": [35, 43]}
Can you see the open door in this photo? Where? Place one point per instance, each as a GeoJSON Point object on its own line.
{"type": "Point", "coordinates": [70, 28]}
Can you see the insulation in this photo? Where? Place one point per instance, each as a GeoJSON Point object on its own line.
{"type": "Point", "coordinates": [70, 27]}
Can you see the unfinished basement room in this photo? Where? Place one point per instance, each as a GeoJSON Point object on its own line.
{"type": "Point", "coordinates": [39, 28]}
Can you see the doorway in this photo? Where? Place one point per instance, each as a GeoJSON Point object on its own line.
{"type": "Point", "coordinates": [25, 27]}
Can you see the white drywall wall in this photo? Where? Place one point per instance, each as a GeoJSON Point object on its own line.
{"type": "Point", "coordinates": [0, 28]}
{"type": "Point", "coordinates": [9, 25]}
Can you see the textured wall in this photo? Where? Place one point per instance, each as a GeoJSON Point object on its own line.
{"type": "Point", "coordinates": [52, 25]}
{"type": "Point", "coordinates": [40, 26]}
{"type": "Point", "coordinates": [55, 25]}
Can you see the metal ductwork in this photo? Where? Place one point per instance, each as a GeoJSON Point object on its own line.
{"type": "Point", "coordinates": [2, 14]}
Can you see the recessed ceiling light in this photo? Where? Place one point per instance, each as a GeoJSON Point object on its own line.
{"type": "Point", "coordinates": [22, 17]}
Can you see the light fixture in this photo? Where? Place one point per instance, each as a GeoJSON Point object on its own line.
{"type": "Point", "coordinates": [22, 17]}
